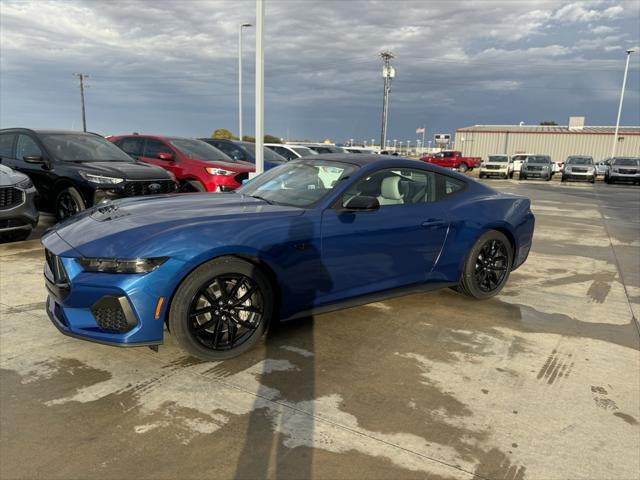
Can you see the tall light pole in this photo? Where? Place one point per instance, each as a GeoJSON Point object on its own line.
{"type": "Point", "coordinates": [624, 84]}
{"type": "Point", "coordinates": [394, 145]}
{"type": "Point", "coordinates": [82, 77]}
{"type": "Point", "coordinates": [388, 73]}
{"type": "Point", "coordinates": [408, 146]}
{"type": "Point", "coordinates": [240, 27]}
{"type": "Point", "coordinates": [259, 86]}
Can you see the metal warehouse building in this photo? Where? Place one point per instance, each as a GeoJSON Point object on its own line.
{"type": "Point", "coordinates": [557, 141]}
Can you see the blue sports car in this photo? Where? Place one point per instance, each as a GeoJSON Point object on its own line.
{"type": "Point", "coordinates": [312, 235]}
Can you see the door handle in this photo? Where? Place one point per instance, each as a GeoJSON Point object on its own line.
{"type": "Point", "coordinates": [433, 222]}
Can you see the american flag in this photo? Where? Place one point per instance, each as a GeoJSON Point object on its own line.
{"type": "Point", "coordinates": [419, 130]}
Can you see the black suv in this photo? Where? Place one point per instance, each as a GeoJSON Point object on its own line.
{"type": "Point", "coordinates": [74, 170]}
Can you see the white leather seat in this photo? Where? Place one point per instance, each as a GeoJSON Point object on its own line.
{"type": "Point", "coordinates": [390, 191]}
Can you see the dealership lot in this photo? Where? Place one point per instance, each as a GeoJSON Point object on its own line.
{"type": "Point", "coordinates": [541, 382]}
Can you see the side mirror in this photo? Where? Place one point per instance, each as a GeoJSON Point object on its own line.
{"type": "Point", "coordinates": [362, 203]}
{"type": "Point", "coordinates": [165, 156]}
{"type": "Point", "coordinates": [33, 159]}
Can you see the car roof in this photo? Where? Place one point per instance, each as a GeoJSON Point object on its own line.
{"type": "Point", "coordinates": [39, 131]}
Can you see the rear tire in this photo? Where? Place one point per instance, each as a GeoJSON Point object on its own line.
{"type": "Point", "coordinates": [487, 267]}
{"type": "Point", "coordinates": [209, 318]}
{"type": "Point", "coordinates": [463, 168]}
{"type": "Point", "coordinates": [481, 175]}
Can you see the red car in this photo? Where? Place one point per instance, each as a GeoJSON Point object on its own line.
{"type": "Point", "coordinates": [453, 159]}
{"type": "Point", "coordinates": [198, 167]}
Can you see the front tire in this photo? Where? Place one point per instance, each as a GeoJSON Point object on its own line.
{"type": "Point", "coordinates": [68, 203]}
{"type": "Point", "coordinates": [15, 235]}
{"type": "Point", "coordinates": [222, 309]}
{"type": "Point", "coordinates": [193, 186]}
{"type": "Point", "coordinates": [487, 267]}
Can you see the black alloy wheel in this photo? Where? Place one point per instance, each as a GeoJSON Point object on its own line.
{"type": "Point", "coordinates": [221, 309]}
{"type": "Point", "coordinates": [68, 203]}
{"type": "Point", "coordinates": [226, 312]}
{"type": "Point", "coordinates": [491, 265]}
{"type": "Point", "coordinates": [487, 267]}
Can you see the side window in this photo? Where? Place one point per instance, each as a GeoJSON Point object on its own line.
{"type": "Point", "coordinates": [6, 145]}
{"type": "Point", "coordinates": [231, 150]}
{"type": "Point", "coordinates": [448, 186]}
{"type": "Point", "coordinates": [154, 147]}
{"type": "Point", "coordinates": [27, 147]}
{"type": "Point", "coordinates": [286, 153]}
{"type": "Point", "coordinates": [396, 187]}
{"type": "Point", "coordinates": [132, 146]}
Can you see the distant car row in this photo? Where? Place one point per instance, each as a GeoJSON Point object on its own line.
{"type": "Point", "coordinates": [576, 167]}
{"type": "Point", "coordinates": [66, 172]}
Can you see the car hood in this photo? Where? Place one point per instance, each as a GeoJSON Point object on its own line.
{"type": "Point", "coordinates": [127, 227]}
{"type": "Point", "coordinates": [126, 170]}
{"type": "Point", "coordinates": [9, 176]}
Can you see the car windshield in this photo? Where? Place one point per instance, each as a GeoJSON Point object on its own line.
{"type": "Point", "coordinates": [298, 183]}
{"type": "Point", "coordinates": [579, 161]}
{"type": "Point", "coordinates": [498, 158]}
{"type": "Point", "coordinates": [199, 150]}
{"type": "Point", "coordinates": [626, 162]}
{"type": "Point", "coordinates": [269, 155]}
{"type": "Point", "coordinates": [544, 160]}
{"type": "Point", "coordinates": [77, 147]}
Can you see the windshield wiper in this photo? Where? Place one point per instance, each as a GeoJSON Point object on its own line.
{"type": "Point", "coordinates": [262, 198]}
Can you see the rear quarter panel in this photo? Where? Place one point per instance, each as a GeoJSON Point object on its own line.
{"type": "Point", "coordinates": [474, 213]}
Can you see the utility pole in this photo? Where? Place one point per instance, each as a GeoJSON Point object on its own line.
{"type": "Point", "coordinates": [624, 84]}
{"type": "Point", "coordinates": [240, 27]}
{"type": "Point", "coordinates": [82, 78]}
{"type": "Point", "coordinates": [388, 73]}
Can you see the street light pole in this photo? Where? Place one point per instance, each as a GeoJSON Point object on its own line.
{"type": "Point", "coordinates": [394, 145]}
{"type": "Point", "coordinates": [388, 74]}
{"type": "Point", "coordinates": [82, 78]}
{"type": "Point", "coordinates": [624, 84]}
{"type": "Point", "coordinates": [240, 27]}
{"type": "Point", "coordinates": [259, 86]}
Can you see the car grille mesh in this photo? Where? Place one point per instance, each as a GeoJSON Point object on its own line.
{"type": "Point", "coordinates": [10, 197]}
{"type": "Point", "coordinates": [111, 318]}
{"type": "Point", "coordinates": [627, 171]}
{"type": "Point", "coordinates": [135, 189]}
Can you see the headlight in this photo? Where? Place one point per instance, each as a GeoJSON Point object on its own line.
{"type": "Point", "coordinates": [116, 265]}
{"type": "Point", "coordinates": [25, 184]}
{"type": "Point", "coordinates": [218, 171]}
{"type": "Point", "coordinates": [100, 180]}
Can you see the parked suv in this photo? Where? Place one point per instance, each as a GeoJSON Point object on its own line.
{"type": "Point", "coordinates": [539, 166]}
{"type": "Point", "coordinates": [579, 167]}
{"type": "Point", "coordinates": [498, 166]}
{"type": "Point", "coordinates": [75, 170]}
{"type": "Point", "coordinates": [18, 213]}
{"type": "Point", "coordinates": [198, 166]}
{"type": "Point", "coordinates": [245, 152]}
{"type": "Point", "coordinates": [623, 169]}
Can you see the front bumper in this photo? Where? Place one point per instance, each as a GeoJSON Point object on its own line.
{"type": "Point", "coordinates": [112, 309]}
{"type": "Point", "coordinates": [225, 183]}
{"type": "Point", "coordinates": [491, 172]}
{"type": "Point", "coordinates": [573, 175]}
{"type": "Point", "coordinates": [535, 173]}
{"type": "Point", "coordinates": [624, 177]}
{"type": "Point", "coordinates": [23, 216]}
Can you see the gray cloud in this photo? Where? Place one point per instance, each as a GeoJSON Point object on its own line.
{"type": "Point", "coordinates": [170, 67]}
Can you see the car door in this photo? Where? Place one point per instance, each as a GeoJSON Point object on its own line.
{"type": "Point", "coordinates": [396, 245]}
{"type": "Point", "coordinates": [151, 154]}
{"type": "Point", "coordinates": [41, 174]}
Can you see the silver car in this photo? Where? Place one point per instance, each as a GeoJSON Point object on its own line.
{"type": "Point", "coordinates": [579, 167]}
{"type": "Point", "coordinates": [18, 214]}
{"type": "Point", "coordinates": [623, 169]}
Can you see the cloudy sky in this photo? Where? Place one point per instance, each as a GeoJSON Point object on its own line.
{"type": "Point", "coordinates": [170, 67]}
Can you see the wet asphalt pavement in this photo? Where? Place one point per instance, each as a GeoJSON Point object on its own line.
{"type": "Point", "coordinates": [542, 382]}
